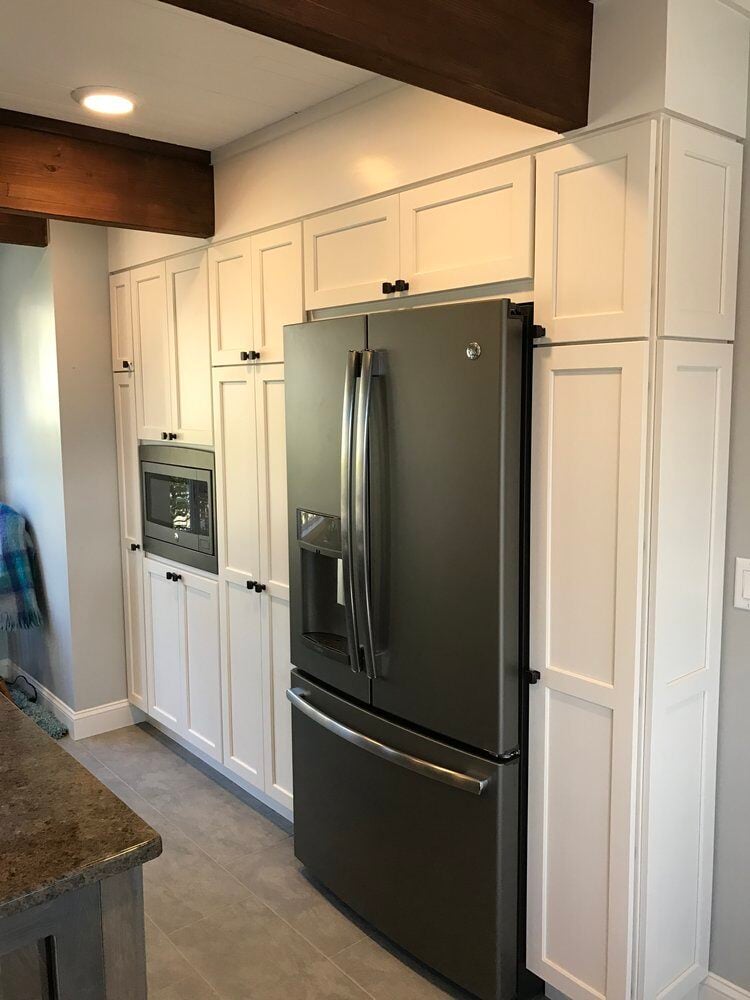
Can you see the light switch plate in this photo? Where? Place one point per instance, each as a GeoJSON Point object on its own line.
{"type": "Point", "coordinates": [742, 584]}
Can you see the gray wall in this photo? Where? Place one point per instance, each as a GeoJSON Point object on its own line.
{"type": "Point", "coordinates": [730, 939]}
{"type": "Point", "coordinates": [57, 459]}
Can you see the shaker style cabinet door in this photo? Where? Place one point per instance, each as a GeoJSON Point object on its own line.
{"type": "Point", "coordinates": [277, 288]}
{"type": "Point", "coordinates": [587, 534]}
{"type": "Point", "coordinates": [239, 570]}
{"type": "Point", "coordinates": [274, 555]}
{"type": "Point", "coordinates": [595, 236]}
{"type": "Point", "coordinates": [349, 253]}
{"type": "Point", "coordinates": [153, 353]}
{"type": "Point", "coordinates": [128, 474]}
{"type": "Point", "coordinates": [164, 645]}
{"type": "Point", "coordinates": [469, 230]}
{"type": "Point", "coordinates": [187, 315]}
{"type": "Point", "coordinates": [702, 181]}
{"type": "Point", "coordinates": [229, 279]}
{"type": "Point", "coordinates": [199, 627]}
{"type": "Point", "coordinates": [121, 322]}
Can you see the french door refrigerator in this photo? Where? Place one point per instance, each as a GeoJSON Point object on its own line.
{"type": "Point", "coordinates": [406, 455]}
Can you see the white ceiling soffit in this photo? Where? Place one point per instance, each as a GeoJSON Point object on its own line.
{"type": "Point", "coordinates": [199, 82]}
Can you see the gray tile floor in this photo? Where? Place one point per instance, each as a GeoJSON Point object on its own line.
{"type": "Point", "coordinates": [229, 912]}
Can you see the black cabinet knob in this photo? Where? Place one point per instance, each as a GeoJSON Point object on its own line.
{"type": "Point", "coordinates": [134, 546]}
{"type": "Point", "coordinates": [176, 577]}
{"type": "Point", "coordinates": [251, 584]}
{"type": "Point", "coordinates": [388, 288]}
{"type": "Point", "coordinates": [164, 435]}
{"type": "Point", "coordinates": [534, 676]}
{"type": "Point", "coordinates": [259, 588]}
{"type": "Point", "coordinates": [126, 364]}
{"type": "Point", "coordinates": [401, 286]}
{"type": "Point", "coordinates": [170, 576]}
{"type": "Point", "coordinates": [172, 436]}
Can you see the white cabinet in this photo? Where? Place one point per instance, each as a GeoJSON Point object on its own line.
{"type": "Point", "coordinates": [588, 518]}
{"type": "Point", "coordinates": [253, 549]}
{"type": "Point", "coordinates": [170, 314]}
{"type": "Point", "coordinates": [472, 229]}
{"type": "Point", "coordinates": [349, 253]}
{"type": "Point", "coordinates": [126, 434]}
{"type": "Point", "coordinates": [277, 288]}
{"type": "Point", "coordinates": [702, 180]}
{"type": "Point", "coordinates": [595, 236]}
{"type": "Point", "coordinates": [682, 697]}
{"type": "Point", "coordinates": [187, 315]}
{"type": "Point", "coordinates": [153, 363]}
{"type": "Point", "coordinates": [229, 270]}
{"type": "Point", "coordinates": [121, 322]}
{"type": "Point", "coordinates": [183, 653]}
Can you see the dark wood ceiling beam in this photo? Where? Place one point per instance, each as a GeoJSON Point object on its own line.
{"type": "Point", "coordinates": [60, 170]}
{"type": "Point", "coordinates": [529, 59]}
{"type": "Point", "coordinates": [23, 230]}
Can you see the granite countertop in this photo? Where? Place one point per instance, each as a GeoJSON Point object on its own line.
{"type": "Point", "coordinates": [60, 827]}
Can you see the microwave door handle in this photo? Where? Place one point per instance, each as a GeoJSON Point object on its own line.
{"type": "Point", "coordinates": [362, 514]}
{"type": "Point", "coordinates": [347, 560]}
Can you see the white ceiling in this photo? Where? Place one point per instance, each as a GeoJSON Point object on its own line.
{"type": "Point", "coordinates": [200, 83]}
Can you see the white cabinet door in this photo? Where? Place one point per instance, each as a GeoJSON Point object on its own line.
{"type": "Point", "coordinates": [595, 236]}
{"type": "Point", "coordinates": [153, 353]}
{"type": "Point", "coordinates": [587, 541]}
{"type": "Point", "coordinates": [274, 553]}
{"type": "Point", "coordinates": [702, 181]}
{"type": "Point", "coordinates": [229, 278]}
{"type": "Point", "coordinates": [199, 619]}
{"type": "Point", "coordinates": [121, 322]}
{"type": "Point", "coordinates": [126, 434]}
{"type": "Point", "coordinates": [187, 295]}
{"type": "Point", "coordinates": [349, 253]}
{"type": "Point", "coordinates": [691, 454]}
{"type": "Point", "coordinates": [239, 568]}
{"type": "Point", "coordinates": [469, 230]}
{"type": "Point", "coordinates": [277, 287]}
{"type": "Point", "coordinates": [164, 645]}
{"type": "Point", "coordinates": [135, 641]}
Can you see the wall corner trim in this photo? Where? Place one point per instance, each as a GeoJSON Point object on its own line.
{"type": "Point", "coordinates": [716, 988]}
{"type": "Point", "coordinates": [87, 721]}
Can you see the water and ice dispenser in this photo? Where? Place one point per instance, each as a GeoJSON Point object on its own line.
{"type": "Point", "coordinates": [323, 621]}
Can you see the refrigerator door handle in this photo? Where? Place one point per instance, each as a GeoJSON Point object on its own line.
{"type": "Point", "coordinates": [362, 515]}
{"type": "Point", "coordinates": [347, 555]}
{"type": "Point", "coordinates": [464, 782]}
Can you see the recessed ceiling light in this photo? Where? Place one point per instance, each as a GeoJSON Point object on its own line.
{"type": "Point", "coordinates": [104, 100]}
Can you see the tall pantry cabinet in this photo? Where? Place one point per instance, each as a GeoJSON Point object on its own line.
{"type": "Point", "coordinates": [629, 469]}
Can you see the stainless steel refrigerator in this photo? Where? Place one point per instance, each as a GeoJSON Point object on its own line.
{"type": "Point", "coordinates": [407, 452]}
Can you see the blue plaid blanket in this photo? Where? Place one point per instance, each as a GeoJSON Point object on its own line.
{"type": "Point", "coordinates": [18, 604]}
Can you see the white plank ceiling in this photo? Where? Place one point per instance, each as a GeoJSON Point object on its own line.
{"type": "Point", "coordinates": [199, 82]}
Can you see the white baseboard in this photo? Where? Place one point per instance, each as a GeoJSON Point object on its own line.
{"type": "Point", "coordinates": [716, 988]}
{"type": "Point", "coordinates": [87, 721]}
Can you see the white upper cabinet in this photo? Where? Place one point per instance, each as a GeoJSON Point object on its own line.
{"type": "Point", "coordinates": [702, 182]}
{"type": "Point", "coordinates": [229, 272]}
{"type": "Point", "coordinates": [595, 234]}
{"type": "Point", "coordinates": [153, 355]}
{"type": "Point", "coordinates": [121, 322]}
{"type": "Point", "coordinates": [468, 230]}
{"type": "Point", "coordinates": [349, 253]}
{"type": "Point", "coordinates": [587, 540]}
{"type": "Point", "coordinates": [276, 287]}
{"type": "Point", "coordinates": [187, 314]}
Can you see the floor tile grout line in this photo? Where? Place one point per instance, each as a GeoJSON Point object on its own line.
{"type": "Point", "coordinates": [190, 965]}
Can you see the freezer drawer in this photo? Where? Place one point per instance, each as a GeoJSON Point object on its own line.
{"type": "Point", "coordinates": [418, 837]}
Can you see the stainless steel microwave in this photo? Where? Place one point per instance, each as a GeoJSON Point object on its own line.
{"type": "Point", "coordinates": [179, 504]}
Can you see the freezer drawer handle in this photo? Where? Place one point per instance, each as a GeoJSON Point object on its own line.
{"type": "Point", "coordinates": [455, 779]}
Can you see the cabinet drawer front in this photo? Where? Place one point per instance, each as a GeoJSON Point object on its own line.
{"type": "Point", "coordinates": [229, 275]}
{"type": "Point", "coordinates": [469, 230]}
{"type": "Point", "coordinates": [121, 320]}
{"type": "Point", "coordinates": [587, 528]}
{"type": "Point", "coordinates": [700, 234]}
{"type": "Point", "coordinates": [594, 236]}
{"type": "Point", "coordinates": [277, 288]}
{"type": "Point", "coordinates": [350, 253]}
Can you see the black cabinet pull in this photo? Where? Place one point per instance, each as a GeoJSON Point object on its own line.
{"type": "Point", "coordinates": [164, 435]}
{"type": "Point", "coordinates": [134, 546]}
{"type": "Point", "coordinates": [388, 288]}
{"type": "Point", "coordinates": [259, 588]}
{"type": "Point", "coordinates": [401, 286]}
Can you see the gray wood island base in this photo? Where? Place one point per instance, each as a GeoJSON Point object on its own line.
{"type": "Point", "coordinates": [71, 886]}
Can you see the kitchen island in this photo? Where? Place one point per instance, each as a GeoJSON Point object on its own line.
{"type": "Point", "coordinates": [71, 887]}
